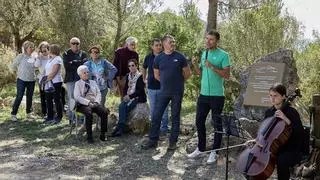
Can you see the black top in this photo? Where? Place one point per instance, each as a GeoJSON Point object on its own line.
{"type": "Point", "coordinates": [139, 93]}
{"type": "Point", "coordinates": [294, 143]}
{"type": "Point", "coordinates": [153, 83]}
{"type": "Point", "coordinates": [121, 58]}
{"type": "Point", "coordinates": [71, 62]}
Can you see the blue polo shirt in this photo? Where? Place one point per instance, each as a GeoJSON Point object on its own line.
{"type": "Point", "coordinates": [148, 64]}
{"type": "Point", "coordinates": [171, 72]}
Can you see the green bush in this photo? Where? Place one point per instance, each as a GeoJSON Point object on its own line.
{"type": "Point", "coordinates": [6, 75]}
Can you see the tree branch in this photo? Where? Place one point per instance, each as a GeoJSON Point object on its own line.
{"type": "Point", "coordinates": [28, 36]}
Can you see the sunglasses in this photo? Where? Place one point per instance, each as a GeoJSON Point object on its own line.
{"type": "Point", "coordinates": [131, 65]}
{"type": "Point", "coordinates": [95, 52]}
{"type": "Point", "coordinates": [75, 43]}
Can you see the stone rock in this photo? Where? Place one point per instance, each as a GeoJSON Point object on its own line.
{"type": "Point", "coordinates": [290, 80]}
{"type": "Point", "coordinates": [138, 119]}
{"type": "Point", "coordinates": [250, 126]}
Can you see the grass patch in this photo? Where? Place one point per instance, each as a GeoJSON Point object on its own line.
{"type": "Point", "coordinates": [37, 135]}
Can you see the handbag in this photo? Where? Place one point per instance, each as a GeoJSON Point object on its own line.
{"type": "Point", "coordinates": [49, 88]}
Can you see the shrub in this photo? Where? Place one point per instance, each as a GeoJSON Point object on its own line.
{"type": "Point", "coordinates": [6, 75]}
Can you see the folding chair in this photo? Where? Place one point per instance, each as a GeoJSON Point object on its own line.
{"type": "Point", "coordinates": [77, 115]}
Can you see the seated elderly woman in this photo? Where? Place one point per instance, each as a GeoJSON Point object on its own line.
{"type": "Point", "coordinates": [133, 94]}
{"type": "Point", "coordinates": [88, 97]}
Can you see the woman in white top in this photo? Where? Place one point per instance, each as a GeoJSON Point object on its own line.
{"type": "Point", "coordinates": [41, 61]}
{"type": "Point", "coordinates": [53, 84]}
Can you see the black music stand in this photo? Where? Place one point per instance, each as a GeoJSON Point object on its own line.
{"type": "Point", "coordinates": [230, 129]}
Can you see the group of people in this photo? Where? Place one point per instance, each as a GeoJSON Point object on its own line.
{"type": "Point", "coordinates": [164, 71]}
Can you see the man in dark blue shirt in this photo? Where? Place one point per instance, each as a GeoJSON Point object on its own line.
{"type": "Point", "coordinates": [154, 84]}
{"type": "Point", "coordinates": [171, 69]}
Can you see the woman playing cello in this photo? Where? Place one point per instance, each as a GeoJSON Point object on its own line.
{"type": "Point", "coordinates": [279, 140]}
{"type": "Point", "coordinates": [290, 153]}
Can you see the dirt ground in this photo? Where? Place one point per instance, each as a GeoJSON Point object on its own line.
{"type": "Point", "coordinates": [29, 150]}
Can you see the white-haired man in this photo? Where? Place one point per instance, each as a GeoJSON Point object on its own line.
{"type": "Point", "coordinates": [121, 59]}
{"type": "Point", "coordinates": [72, 59]}
{"type": "Point", "coordinates": [87, 95]}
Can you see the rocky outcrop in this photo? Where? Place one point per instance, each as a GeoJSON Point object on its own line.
{"type": "Point", "coordinates": [290, 80]}
{"type": "Point", "coordinates": [138, 119]}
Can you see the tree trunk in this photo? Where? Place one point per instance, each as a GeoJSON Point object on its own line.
{"type": "Point", "coordinates": [119, 26]}
{"type": "Point", "coordinates": [17, 42]}
{"type": "Point", "coordinates": [212, 15]}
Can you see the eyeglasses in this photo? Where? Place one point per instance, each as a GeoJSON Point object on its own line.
{"type": "Point", "coordinates": [75, 43]}
{"type": "Point", "coordinates": [95, 52]}
{"type": "Point", "coordinates": [131, 65]}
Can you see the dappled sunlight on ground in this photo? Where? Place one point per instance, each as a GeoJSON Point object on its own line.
{"type": "Point", "coordinates": [32, 150]}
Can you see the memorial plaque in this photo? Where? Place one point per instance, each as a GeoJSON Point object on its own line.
{"type": "Point", "coordinates": [262, 77]}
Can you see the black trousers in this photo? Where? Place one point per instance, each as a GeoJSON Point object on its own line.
{"type": "Point", "coordinates": [285, 160]}
{"type": "Point", "coordinates": [63, 96]}
{"type": "Point", "coordinates": [43, 101]}
{"type": "Point", "coordinates": [204, 105]}
{"type": "Point", "coordinates": [100, 111]}
{"type": "Point", "coordinates": [56, 97]}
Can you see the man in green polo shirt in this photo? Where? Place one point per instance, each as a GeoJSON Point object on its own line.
{"type": "Point", "coordinates": [214, 67]}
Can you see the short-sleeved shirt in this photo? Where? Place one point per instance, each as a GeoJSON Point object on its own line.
{"type": "Point", "coordinates": [49, 66]}
{"type": "Point", "coordinates": [153, 83]}
{"type": "Point", "coordinates": [211, 82]}
{"type": "Point", "coordinates": [171, 72]}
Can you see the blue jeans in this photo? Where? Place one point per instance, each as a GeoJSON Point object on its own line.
{"type": "Point", "coordinates": [152, 94]}
{"type": "Point", "coordinates": [21, 87]}
{"type": "Point", "coordinates": [70, 89]}
{"type": "Point", "coordinates": [161, 105]}
{"type": "Point", "coordinates": [204, 105]}
{"type": "Point", "coordinates": [124, 108]}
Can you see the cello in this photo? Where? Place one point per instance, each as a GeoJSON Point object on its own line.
{"type": "Point", "coordinates": [258, 161]}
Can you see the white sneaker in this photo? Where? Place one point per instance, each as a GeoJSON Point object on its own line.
{"type": "Point", "coordinates": [14, 118]}
{"type": "Point", "coordinates": [194, 154]}
{"type": "Point", "coordinates": [30, 116]}
{"type": "Point", "coordinates": [212, 157]}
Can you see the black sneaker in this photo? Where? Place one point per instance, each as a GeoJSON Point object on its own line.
{"type": "Point", "coordinates": [116, 133]}
{"type": "Point", "coordinates": [149, 145]}
{"type": "Point", "coordinates": [90, 141]}
{"type": "Point", "coordinates": [48, 121]}
{"type": "Point", "coordinates": [102, 137]}
{"type": "Point", "coordinates": [172, 146]}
